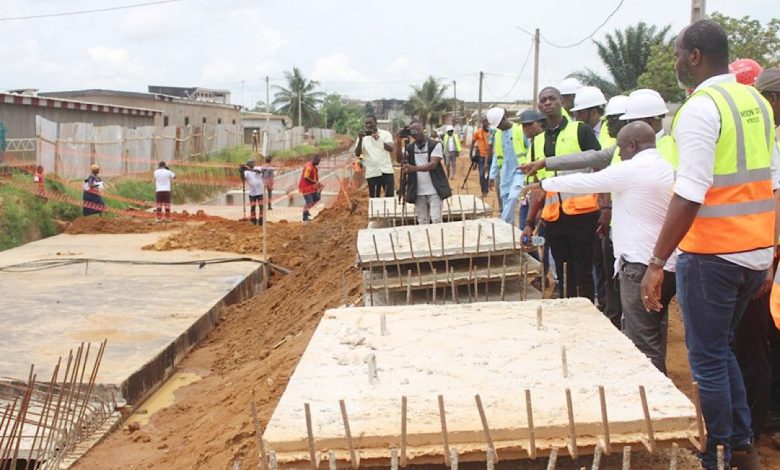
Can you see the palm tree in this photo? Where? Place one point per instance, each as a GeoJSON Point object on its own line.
{"type": "Point", "coordinates": [427, 101]}
{"type": "Point", "coordinates": [298, 94]}
{"type": "Point", "coordinates": [625, 54]}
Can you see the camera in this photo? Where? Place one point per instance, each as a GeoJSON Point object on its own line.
{"type": "Point", "coordinates": [405, 132]}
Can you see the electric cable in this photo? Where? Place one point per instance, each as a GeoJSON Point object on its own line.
{"type": "Point", "coordinates": [517, 80]}
{"type": "Point", "coordinates": [83, 12]}
{"type": "Point", "coordinates": [51, 263]}
{"type": "Point", "coordinates": [575, 44]}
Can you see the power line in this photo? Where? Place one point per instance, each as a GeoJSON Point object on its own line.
{"type": "Point", "coordinates": [522, 69]}
{"type": "Point", "coordinates": [83, 12]}
{"type": "Point", "coordinates": [590, 36]}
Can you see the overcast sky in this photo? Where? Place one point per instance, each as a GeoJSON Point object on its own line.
{"type": "Point", "coordinates": [362, 49]}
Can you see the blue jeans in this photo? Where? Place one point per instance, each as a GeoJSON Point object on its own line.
{"type": "Point", "coordinates": [483, 182]}
{"type": "Point", "coordinates": [713, 294]}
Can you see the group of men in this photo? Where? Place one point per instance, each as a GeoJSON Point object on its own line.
{"type": "Point", "coordinates": [652, 215]}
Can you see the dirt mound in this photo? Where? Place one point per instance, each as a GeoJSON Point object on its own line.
{"type": "Point", "coordinates": [86, 225]}
{"type": "Point", "coordinates": [210, 424]}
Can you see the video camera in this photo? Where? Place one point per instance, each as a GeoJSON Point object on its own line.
{"type": "Point", "coordinates": [405, 133]}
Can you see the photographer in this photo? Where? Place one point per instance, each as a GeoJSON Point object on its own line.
{"type": "Point", "coordinates": [163, 180]}
{"type": "Point", "coordinates": [373, 149]}
{"type": "Point", "coordinates": [426, 184]}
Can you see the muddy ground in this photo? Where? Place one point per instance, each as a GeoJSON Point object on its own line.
{"type": "Point", "coordinates": [210, 426]}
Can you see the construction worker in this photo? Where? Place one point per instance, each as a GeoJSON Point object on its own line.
{"type": "Point", "coordinates": [310, 186]}
{"type": "Point", "coordinates": [610, 305]}
{"type": "Point", "coordinates": [426, 181]}
{"type": "Point", "coordinates": [163, 184]}
{"type": "Point", "coordinates": [588, 107]}
{"type": "Point", "coordinates": [452, 148]}
{"type": "Point", "coordinates": [509, 152]}
{"type": "Point", "coordinates": [255, 141]}
{"type": "Point", "coordinates": [267, 171]}
{"type": "Point", "coordinates": [570, 220]}
{"type": "Point", "coordinates": [642, 189]}
{"type": "Point", "coordinates": [568, 88]}
{"type": "Point", "coordinates": [479, 144]}
{"type": "Point", "coordinates": [722, 219]}
{"type": "Point", "coordinates": [746, 71]}
{"type": "Point", "coordinates": [534, 123]}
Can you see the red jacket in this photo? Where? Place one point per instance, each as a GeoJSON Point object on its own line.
{"type": "Point", "coordinates": [305, 186]}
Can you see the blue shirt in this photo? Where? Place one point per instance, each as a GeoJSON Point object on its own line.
{"type": "Point", "coordinates": [509, 175]}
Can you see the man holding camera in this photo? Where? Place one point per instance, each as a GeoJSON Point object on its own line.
{"type": "Point", "coordinates": [373, 149]}
{"type": "Point", "coordinates": [426, 184]}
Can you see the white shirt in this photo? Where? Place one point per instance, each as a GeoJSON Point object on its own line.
{"type": "Point", "coordinates": [424, 183]}
{"type": "Point", "coordinates": [451, 143]}
{"type": "Point", "coordinates": [696, 133]}
{"type": "Point", "coordinates": [376, 160]}
{"type": "Point", "coordinates": [162, 179]}
{"type": "Point", "coordinates": [254, 182]}
{"type": "Point", "coordinates": [641, 188]}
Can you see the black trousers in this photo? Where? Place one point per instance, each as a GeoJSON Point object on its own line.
{"type": "Point", "coordinates": [752, 348]}
{"type": "Point", "coordinates": [573, 244]}
{"type": "Point", "coordinates": [378, 184]}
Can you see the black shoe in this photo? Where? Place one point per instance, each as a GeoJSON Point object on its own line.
{"type": "Point", "coordinates": [260, 221]}
{"type": "Point", "coordinates": [254, 221]}
{"type": "Point", "coordinates": [745, 458]}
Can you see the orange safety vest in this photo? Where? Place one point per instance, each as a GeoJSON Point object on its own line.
{"type": "Point", "coordinates": [570, 203]}
{"type": "Point", "coordinates": [774, 300]}
{"type": "Point", "coordinates": [738, 213]}
{"type": "Point", "coordinates": [310, 172]}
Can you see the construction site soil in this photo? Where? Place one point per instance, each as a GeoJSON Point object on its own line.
{"type": "Point", "coordinates": [256, 346]}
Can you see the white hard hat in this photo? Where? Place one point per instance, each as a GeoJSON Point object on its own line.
{"type": "Point", "coordinates": [644, 103]}
{"type": "Point", "coordinates": [494, 116]}
{"type": "Point", "coordinates": [569, 86]}
{"type": "Point", "coordinates": [616, 105]}
{"type": "Point", "coordinates": [588, 97]}
{"type": "Point", "coordinates": [450, 128]}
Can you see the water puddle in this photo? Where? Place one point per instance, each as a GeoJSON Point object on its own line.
{"type": "Point", "coordinates": [162, 398]}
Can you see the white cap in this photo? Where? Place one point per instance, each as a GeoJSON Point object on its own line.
{"type": "Point", "coordinates": [569, 86]}
{"type": "Point", "coordinates": [616, 105]}
{"type": "Point", "coordinates": [494, 116]}
{"type": "Point", "coordinates": [588, 97]}
{"type": "Point", "coordinates": [450, 128]}
{"type": "Point", "coordinates": [644, 103]}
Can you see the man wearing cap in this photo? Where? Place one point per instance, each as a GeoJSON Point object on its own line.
{"type": "Point", "coordinates": [452, 149]}
{"type": "Point", "coordinates": [510, 151]}
{"type": "Point", "coordinates": [570, 220]}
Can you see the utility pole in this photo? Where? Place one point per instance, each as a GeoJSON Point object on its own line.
{"type": "Point", "coordinates": [267, 146]}
{"type": "Point", "coordinates": [300, 116]}
{"type": "Point", "coordinates": [455, 94]}
{"type": "Point", "coordinates": [536, 67]}
{"type": "Point", "coordinates": [698, 10]}
{"type": "Point", "coordinates": [479, 103]}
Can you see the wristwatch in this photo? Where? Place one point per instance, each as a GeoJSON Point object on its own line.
{"type": "Point", "coordinates": [660, 262]}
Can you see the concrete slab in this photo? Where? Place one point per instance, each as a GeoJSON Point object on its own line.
{"type": "Point", "coordinates": [456, 240]}
{"type": "Point", "coordinates": [150, 314]}
{"type": "Point", "coordinates": [514, 290]}
{"type": "Point", "coordinates": [493, 349]}
{"type": "Point", "coordinates": [388, 211]}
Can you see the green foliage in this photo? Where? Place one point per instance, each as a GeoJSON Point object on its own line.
{"type": "Point", "coordinates": [427, 101]}
{"type": "Point", "coordinates": [749, 39]}
{"type": "Point", "coordinates": [299, 90]}
{"type": "Point", "coordinates": [625, 54]}
{"type": "Point", "coordinates": [659, 74]}
{"type": "Point", "coordinates": [24, 217]}
{"type": "Point", "coordinates": [345, 118]}
{"type": "Point", "coordinates": [329, 145]}
{"type": "Point", "coordinates": [297, 151]}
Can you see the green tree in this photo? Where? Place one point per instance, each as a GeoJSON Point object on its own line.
{"type": "Point", "coordinates": [345, 118]}
{"type": "Point", "coordinates": [427, 101]}
{"type": "Point", "coordinates": [259, 107]}
{"type": "Point", "coordinates": [659, 73]}
{"type": "Point", "coordinates": [299, 90]}
{"type": "Point", "coordinates": [625, 54]}
{"type": "Point", "coordinates": [749, 39]}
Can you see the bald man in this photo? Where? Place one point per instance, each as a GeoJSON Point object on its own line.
{"type": "Point", "coordinates": [641, 187]}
